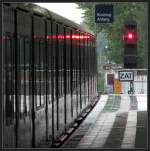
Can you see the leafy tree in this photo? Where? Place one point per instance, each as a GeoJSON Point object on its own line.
{"type": "Point", "coordinates": [122, 11]}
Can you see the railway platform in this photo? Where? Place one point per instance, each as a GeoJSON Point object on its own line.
{"type": "Point", "coordinates": [117, 121]}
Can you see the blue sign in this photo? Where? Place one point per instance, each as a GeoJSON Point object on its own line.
{"type": "Point", "coordinates": [104, 13]}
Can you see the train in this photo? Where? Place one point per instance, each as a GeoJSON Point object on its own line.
{"type": "Point", "coordinates": [49, 74]}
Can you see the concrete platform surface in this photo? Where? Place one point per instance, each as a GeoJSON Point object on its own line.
{"type": "Point", "coordinates": [117, 121]}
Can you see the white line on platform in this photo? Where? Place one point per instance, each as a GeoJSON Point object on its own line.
{"type": "Point", "coordinates": [125, 103]}
{"type": "Point", "coordinates": [105, 130]}
{"type": "Point", "coordinates": [142, 102]}
{"type": "Point", "coordinates": [91, 118]}
{"type": "Point", "coordinates": [130, 131]}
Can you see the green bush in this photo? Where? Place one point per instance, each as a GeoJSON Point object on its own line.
{"type": "Point", "coordinates": [100, 84]}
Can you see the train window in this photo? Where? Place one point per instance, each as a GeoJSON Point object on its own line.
{"type": "Point", "coordinates": [21, 73]}
{"type": "Point", "coordinates": [22, 109]}
{"type": "Point", "coordinates": [27, 104]}
{"type": "Point", "coordinates": [68, 61]}
{"type": "Point", "coordinates": [42, 70]}
{"type": "Point", "coordinates": [37, 101]}
{"type": "Point", "coordinates": [60, 60]}
{"type": "Point", "coordinates": [36, 72]}
{"type": "Point", "coordinates": [49, 64]}
{"type": "Point", "coordinates": [21, 53]}
{"type": "Point", "coordinates": [27, 53]}
{"type": "Point", "coordinates": [8, 51]}
{"type": "Point", "coordinates": [42, 100]}
{"type": "Point", "coordinates": [39, 45]}
{"type": "Point", "coordinates": [23, 61]}
{"type": "Point", "coordinates": [21, 66]}
{"type": "Point", "coordinates": [27, 73]}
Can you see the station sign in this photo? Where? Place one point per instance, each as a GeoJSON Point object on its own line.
{"type": "Point", "coordinates": [104, 13]}
{"type": "Point", "coordinates": [112, 66]}
{"type": "Point", "coordinates": [107, 66]}
{"type": "Point", "coordinates": [126, 75]}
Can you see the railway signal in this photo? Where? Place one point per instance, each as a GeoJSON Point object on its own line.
{"type": "Point", "coordinates": [130, 44]}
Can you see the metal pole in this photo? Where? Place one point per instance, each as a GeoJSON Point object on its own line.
{"type": "Point", "coordinates": [131, 87]}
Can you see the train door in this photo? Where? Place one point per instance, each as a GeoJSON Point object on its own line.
{"type": "Point", "coordinates": [24, 132]}
{"type": "Point", "coordinates": [49, 85]}
{"type": "Point", "coordinates": [90, 69]}
{"type": "Point", "coordinates": [94, 67]}
{"type": "Point", "coordinates": [78, 71]}
{"type": "Point", "coordinates": [68, 81]}
{"type": "Point", "coordinates": [74, 75]}
{"type": "Point", "coordinates": [9, 71]}
{"type": "Point", "coordinates": [82, 75]}
{"type": "Point", "coordinates": [60, 79]}
{"type": "Point", "coordinates": [54, 81]}
{"type": "Point", "coordinates": [39, 78]}
{"type": "Point", "coordinates": [86, 69]}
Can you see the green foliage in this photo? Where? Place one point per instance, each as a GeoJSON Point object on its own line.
{"type": "Point", "coordinates": [100, 83]}
{"type": "Point", "coordinates": [122, 11]}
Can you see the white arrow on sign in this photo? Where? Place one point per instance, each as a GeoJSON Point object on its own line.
{"type": "Point", "coordinates": [126, 75]}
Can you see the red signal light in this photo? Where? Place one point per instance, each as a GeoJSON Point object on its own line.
{"type": "Point", "coordinates": [130, 36]}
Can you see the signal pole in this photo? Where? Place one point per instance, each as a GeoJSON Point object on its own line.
{"type": "Point", "coordinates": [130, 47]}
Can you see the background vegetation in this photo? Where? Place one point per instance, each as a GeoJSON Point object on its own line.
{"type": "Point", "coordinates": [114, 31]}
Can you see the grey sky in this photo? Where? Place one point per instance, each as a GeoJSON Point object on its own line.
{"type": "Point", "coordinates": [68, 10]}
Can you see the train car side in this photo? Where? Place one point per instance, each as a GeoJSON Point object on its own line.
{"type": "Point", "coordinates": [49, 76]}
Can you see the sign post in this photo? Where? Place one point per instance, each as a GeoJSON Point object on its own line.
{"type": "Point", "coordinates": [131, 88]}
{"type": "Point", "coordinates": [104, 13]}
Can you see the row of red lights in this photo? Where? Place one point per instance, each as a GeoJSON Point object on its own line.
{"type": "Point", "coordinates": [69, 37]}
{"type": "Point", "coordinates": [77, 37]}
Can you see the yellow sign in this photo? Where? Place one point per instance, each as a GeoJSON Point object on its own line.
{"type": "Point", "coordinates": [117, 86]}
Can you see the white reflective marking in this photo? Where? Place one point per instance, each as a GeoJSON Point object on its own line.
{"type": "Point", "coordinates": [101, 126]}
{"type": "Point", "coordinates": [98, 133]}
{"type": "Point", "coordinates": [105, 127]}
{"type": "Point", "coordinates": [97, 109]}
{"type": "Point", "coordinates": [125, 103]}
{"type": "Point", "coordinates": [130, 131]}
{"type": "Point", "coordinates": [142, 102]}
